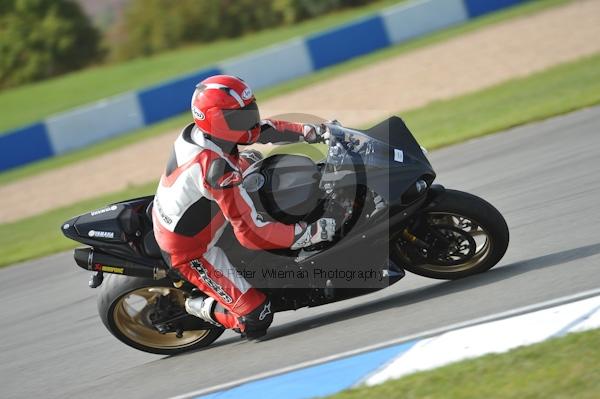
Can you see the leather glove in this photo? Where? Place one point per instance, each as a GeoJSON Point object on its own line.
{"type": "Point", "coordinates": [321, 230]}
{"type": "Point", "coordinates": [379, 202]}
{"type": "Point", "coordinates": [315, 133]}
{"type": "Point", "coordinates": [252, 156]}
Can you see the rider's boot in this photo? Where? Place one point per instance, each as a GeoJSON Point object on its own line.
{"type": "Point", "coordinates": [202, 307]}
{"type": "Point", "coordinates": [252, 326]}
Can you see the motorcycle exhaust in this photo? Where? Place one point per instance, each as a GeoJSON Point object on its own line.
{"type": "Point", "coordinates": [100, 262]}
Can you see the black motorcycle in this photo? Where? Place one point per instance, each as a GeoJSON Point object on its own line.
{"type": "Point", "coordinates": [376, 183]}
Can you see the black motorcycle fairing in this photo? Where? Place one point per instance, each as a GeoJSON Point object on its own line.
{"type": "Point", "coordinates": [372, 235]}
{"type": "Point", "coordinates": [297, 293]}
{"type": "Point", "coordinates": [385, 158]}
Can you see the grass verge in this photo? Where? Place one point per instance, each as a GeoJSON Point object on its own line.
{"type": "Point", "coordinates": [178, 121]}
{"type": "Point", "coordinates": [558, 90]}
{"type": "Point", "coordinates": [68, 91]}
{"type": "Point", "coordinates": [41, 235]}
{"type": "Point", "coordinates": [561, 368]}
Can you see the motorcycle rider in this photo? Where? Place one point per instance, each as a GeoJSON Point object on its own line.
{"type": "Point", "coordinates": [200, 193]}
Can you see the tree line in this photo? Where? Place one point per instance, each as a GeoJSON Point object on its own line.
{"type": "Point", "coordinates": [45, 38]}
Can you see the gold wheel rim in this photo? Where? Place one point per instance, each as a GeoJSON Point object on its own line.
{"type": "Point", "coordinates": [131, 318]}
{"type": "Point", "coordinates": [477, 232]}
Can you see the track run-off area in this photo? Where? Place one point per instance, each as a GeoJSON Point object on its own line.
{"type": "Point", "coordinates": [543, 177]}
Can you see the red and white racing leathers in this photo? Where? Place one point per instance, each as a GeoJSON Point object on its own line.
{"type": "Point", "coordinates": [198, 195]}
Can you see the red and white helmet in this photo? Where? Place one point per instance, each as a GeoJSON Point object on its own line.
{"type": "Point", "coordinates": [224, 107]}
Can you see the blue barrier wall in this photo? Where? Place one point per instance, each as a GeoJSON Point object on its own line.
{"type": "Point", "coordinates": [421, 17]}
{"type": "Point", "coordinates": [346, 42]}
{"type": "Point", "coordinates": [170, 98]}
{"type": "Point", "coordinates": [86, 125]}
{"type": "Point", "coordinates": [24, 145]}
{"type": "Point", "coordinates": [299, 57]}
{"type": "Point", "coordinates": [480, 7]}
{"type": "Point", "coordinates": [292, 60]}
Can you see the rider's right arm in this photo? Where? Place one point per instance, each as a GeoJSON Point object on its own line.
{"type": "Point", "coordinates": [223, 182]}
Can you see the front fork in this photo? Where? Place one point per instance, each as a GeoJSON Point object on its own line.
{"type": "Point", "coordinates": [413, 239]}
{"type": "Point", "coordinates": [412, 226]}
{"type": "Point", "coordinates": [411, 231]}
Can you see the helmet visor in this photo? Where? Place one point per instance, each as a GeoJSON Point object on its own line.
{"type": "Point", "coordinates": [244, 118]}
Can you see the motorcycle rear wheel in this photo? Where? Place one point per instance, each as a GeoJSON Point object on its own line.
{"type": "Point", "coordinates": [478, 232]}
{"type": "Point", "coordinates": [124, 305]}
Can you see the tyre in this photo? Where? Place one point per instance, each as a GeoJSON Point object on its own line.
{"type": "Point", "coordinates": [129, 305]}
{"type": "Point", "coordinates": [458, 236]}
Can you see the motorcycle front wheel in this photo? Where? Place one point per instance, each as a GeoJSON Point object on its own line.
{"type": "Point", "coordinates": [129, 307]}
{"type": "Point", "coordinates": [460, 235]}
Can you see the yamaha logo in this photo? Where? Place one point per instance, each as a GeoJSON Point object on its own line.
{"type": "Point", "coordinates": [198, 114]}
{"type": "Point", "coordinates": [101, 234]}
{"type": "Point", "coordinates": [247, 94]}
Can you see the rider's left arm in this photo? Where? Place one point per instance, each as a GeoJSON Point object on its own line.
{"type": "Point", "coordinates": [276, 131]}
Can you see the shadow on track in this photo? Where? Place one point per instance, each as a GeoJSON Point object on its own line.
{"type": "Point", "coordinates": [437, 290]}
{"type": "Point", "coordinates": [417, 295]}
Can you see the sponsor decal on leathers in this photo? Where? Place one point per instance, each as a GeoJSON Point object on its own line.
{"type": "Point", "coordinates": [230, 180]}
{"type": "Point", "coordinates": [162, 214]}
{"type": "Point", "coordinates": [203, 273]}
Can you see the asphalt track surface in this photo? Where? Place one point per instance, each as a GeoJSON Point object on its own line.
{"type": "Point", "coordinates": [543, 177]}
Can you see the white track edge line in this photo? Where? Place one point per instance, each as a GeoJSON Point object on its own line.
{"type": "Point", "coordinates": [396, 341]}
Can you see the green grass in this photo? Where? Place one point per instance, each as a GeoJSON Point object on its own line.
{"type": "Point", "coordinates": [562, 368]}
{"type": "Point", "coordinates": [178, 121]}
{"type": "Point", "coordinates": [41, 235]}
{"type": "Point", "coordinates": [36, 101]}
{"type": "Point", "coordinates": [558, 90]}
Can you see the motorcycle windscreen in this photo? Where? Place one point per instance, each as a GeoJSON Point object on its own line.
{"type": "Point", "coordinates": [386, 157]}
